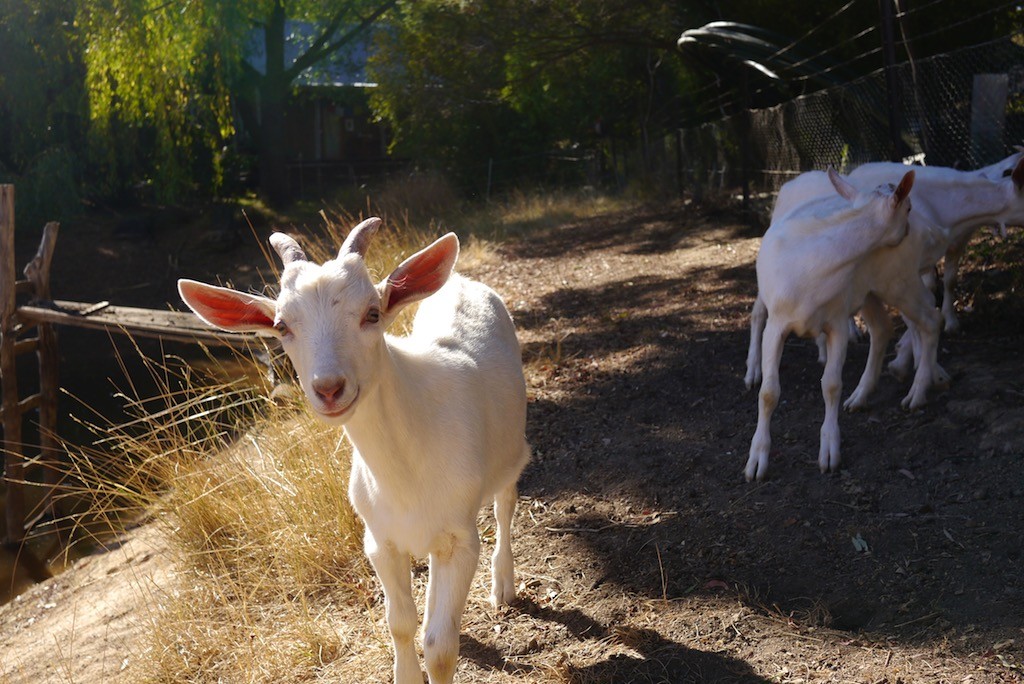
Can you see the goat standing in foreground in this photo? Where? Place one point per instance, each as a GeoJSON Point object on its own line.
{"type": "Point", "coordinates": [436, 419]}
{"type": "Point", "coordinates": [820, 263]}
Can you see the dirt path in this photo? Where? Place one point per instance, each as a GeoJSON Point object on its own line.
{"type": "Point", "coordinates": [644, 556]}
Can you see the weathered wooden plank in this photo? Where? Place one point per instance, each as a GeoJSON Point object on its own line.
{"type": "Point", "coordinates": [29, 403]}
{"type": "Point", "coordinates": [173, 325]}
{"type": "Point", "coordinates": [25, 346]}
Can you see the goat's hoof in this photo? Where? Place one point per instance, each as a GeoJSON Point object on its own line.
{"type": "Point", "coordinates": [855, 403]}
{"type": "Point", "coordinates": [912, 402]}
{"type": "Point", "coordinates": [755, 470]}
{"type": "Point", "coordinates": [502, 597]}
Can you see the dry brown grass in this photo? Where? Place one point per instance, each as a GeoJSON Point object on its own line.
{"type": "Point", "coordinates": [251, 497]}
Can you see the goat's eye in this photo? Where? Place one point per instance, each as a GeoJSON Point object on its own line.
{"type": "Point", "coordinates": [282, 328]}
{"type": "Point", "coordinates": [372, 315]}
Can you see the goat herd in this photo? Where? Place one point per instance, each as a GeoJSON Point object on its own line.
{"type": "Point", "coordinates": [437, 418]}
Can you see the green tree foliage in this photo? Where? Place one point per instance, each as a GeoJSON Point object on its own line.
{"type": "Point", "coordinates": [464, 82]}
{"type": "Point", "coordinates": [163, 76]}
{"type": "Point", "coordinates": [42, 105]}
{"type": "Point", "coordinates": [158, 78]}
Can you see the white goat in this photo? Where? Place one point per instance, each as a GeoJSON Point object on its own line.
{"type": "Point", "coordinates": [820, 263]}
{"type": "Point", "coordinates": [959, 203]}
{"type": "Point", "coordinates": [949, 206]}
{"type": "Point", "coordinates": [436, 419]}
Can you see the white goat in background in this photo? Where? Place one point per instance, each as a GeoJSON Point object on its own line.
{"type": "Point", "coordinates": [436, 419]}
{"type": "Point", "coordinates": [959, 203]}
{"type": "Point", "coordinates": [820, 263]}
{"type": "Point", "coordinates": [949, 207]}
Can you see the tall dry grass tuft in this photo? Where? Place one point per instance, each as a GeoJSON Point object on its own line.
{"type": "Point", "coordinates": [251, 496]}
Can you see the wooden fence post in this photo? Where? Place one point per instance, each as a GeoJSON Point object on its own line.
{"type": "Point", "coordinates": [14, 463]}
{"type": "Point", "coordinates": [38, 273]}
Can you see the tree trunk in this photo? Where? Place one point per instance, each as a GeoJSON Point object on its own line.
{"type": "Point", "coordinates": [273, 88]}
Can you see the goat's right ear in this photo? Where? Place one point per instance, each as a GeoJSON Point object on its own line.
{"type": "Point", "coordinates": [419, 276]}
{"type": "Point", "coordinates": [228, 309]}
{"type": "Point", "coordinates": [844, 187]}
{"type": "Point", "coordinates": [903, 189]}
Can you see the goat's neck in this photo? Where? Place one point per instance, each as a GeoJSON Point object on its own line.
{"type": "Point", "coordinates": [965, 205]}
{"type": "Point", "coordinates": [388, 425]}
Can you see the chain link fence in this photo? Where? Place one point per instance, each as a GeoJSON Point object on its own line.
{"type": "Point", "coordinates": [963, 109]}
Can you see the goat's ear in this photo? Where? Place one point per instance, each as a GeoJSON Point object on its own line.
{"type": "Point", "coordinates": [842, 186]}
{"type": "Point", "coordinates": [358, 239]}
{"type": "Point", "coordinates": [1018, 174]}
{"type": "Point", "coordinates": [228, 309]}
{"type": "Point", "coordinates": [903, 189]}
{"type": "Point", "coordinates": [419, 276]}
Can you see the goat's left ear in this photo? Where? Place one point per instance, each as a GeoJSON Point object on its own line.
{"type": "Point", "coordinates": [419, 276]}
{"type": "Point", "coordinates": [1018, 174]}
{"type": "Point", "coordinates": [228, 309]}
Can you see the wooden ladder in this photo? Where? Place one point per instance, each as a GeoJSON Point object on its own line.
{"type": "Point", "coordinates": [15, 341]}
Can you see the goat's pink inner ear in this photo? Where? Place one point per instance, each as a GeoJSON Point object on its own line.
{"type": "Point", "coordinates": [223, 308]}
{"type": "Point", "coordinates": [422, 274]}
{"type": "Point", "coordinates": [904, 187]}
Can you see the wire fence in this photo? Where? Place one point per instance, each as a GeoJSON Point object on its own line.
{"type": "Point", "coordinates": [963, 109]}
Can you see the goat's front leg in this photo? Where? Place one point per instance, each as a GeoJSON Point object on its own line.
{"type": "Point", "coordinates": [831, 388]}
{"type": "Point", "coordinates": [880, 329]}
{"type": "Point", "coordinates": [451, 572]}
{"type": "Point", "coordinates": [395, 573]}
{"type": "Point", "coordinates": [503, 581]}
{"type": "Point", "coordinates": [767, 399]}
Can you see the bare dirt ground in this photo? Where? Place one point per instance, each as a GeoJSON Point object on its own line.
{"type": "Point", "coordinates": [642, 553]}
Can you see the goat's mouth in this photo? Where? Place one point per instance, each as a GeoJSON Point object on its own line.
{"type": "Point", "coordinates": [334, 412]}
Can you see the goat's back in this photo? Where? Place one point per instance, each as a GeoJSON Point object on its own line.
{"type": "Point", "coordinates": [467, 353]}
{"type": "Point", "coordinates": [467, 317]}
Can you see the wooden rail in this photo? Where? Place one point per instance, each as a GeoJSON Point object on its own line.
{"type": "Point", "coordinates": [167, 325]}
{"type": "Point", "coordinates": [40, 313]}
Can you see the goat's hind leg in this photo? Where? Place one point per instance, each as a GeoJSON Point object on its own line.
{"type": "Point", "coordinates": [918, 306]}
{"type": "Point", "coordinates": [767, 399]}
{"type": "Point", "coordinates": [503, 581]}
{"type": "Point", "coordinates": [758, 318]}
{"type": "Point", "coordinates": [950, 266]}
{"type": "Point", "coordinates": [880, 329]}
{"type": "Point", "coordinates": [831, 388]}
